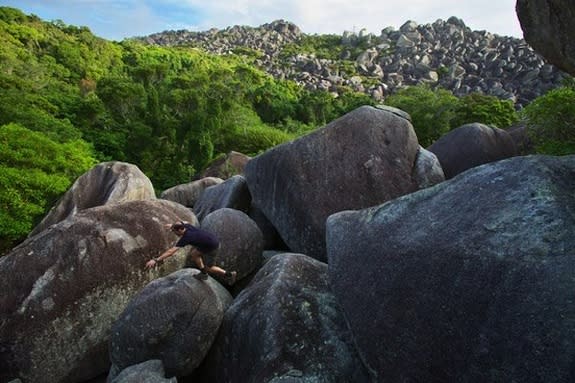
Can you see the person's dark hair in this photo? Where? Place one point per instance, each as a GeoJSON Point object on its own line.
{"type": "Point", "coordinates": [177, 226]}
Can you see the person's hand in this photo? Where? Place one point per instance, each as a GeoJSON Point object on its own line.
{"type": "Point", "coordinates": [168, 225]}
{"type": "Point", "coordinates": [151, 263]}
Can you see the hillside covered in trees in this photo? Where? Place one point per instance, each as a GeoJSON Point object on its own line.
{"type": "Point", "coordinates": [69, 99]}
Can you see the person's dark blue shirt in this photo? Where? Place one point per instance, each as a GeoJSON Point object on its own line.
{"type": "Point", "coordinates": [202, 240]}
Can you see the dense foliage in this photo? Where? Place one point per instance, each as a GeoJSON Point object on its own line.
{"type": "Point", "coordinates": [34, 171]}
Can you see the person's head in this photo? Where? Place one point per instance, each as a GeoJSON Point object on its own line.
{"type": "Point", "coordinates": [178, 228]}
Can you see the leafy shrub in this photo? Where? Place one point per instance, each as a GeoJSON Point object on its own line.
{"type": "Point", "coordinates": [550, 120]}
{"type": "Point", "coordinates": [485, 109]}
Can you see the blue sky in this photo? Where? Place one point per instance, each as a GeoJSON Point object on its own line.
{"type": "Point", "coordinates": [119, 19]}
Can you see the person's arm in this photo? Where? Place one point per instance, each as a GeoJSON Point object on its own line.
{"type": "Point", "coordinates": [168, 253]}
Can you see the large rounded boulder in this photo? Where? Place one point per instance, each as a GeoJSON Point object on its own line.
{"type": "Point", "coordinates": [362, 159]}
{"type": "Point", "coordinates": [468, 281]}
{"type": "Point", "coordinates": [472, 145]}
{"type": "Point", "coordinates": [174, 319]}
{"type": "Point", "coordinates": [284, 327]}
{"type": "Point", "coordinates": [233, 163]}
{"type": "Point", "coordinates": [63, 288]}
{"type": "Point", "coordinates": [241, 240]}
{"type": "Point", "coordinates": [232, 193]}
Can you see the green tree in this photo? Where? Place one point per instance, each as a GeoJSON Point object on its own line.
{"type": "Point", "coordinates": [550, 121]}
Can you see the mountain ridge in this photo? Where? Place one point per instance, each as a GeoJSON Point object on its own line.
{"type": "Point", "coordinates": [444, 53]}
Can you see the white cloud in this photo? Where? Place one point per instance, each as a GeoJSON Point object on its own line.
{"type": "Point", "coordinates": [335, 16]}
{"type": "Point", "coordinates": [117, 19]}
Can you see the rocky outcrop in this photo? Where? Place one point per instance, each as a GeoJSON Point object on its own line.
{"type": "Point", "coordinates": [106, 183]}
{"type": "Point", "coordinates": [362, 159]}
{"type": "Point", "coordinates": [444, 53]}
{"type": "Point", "coordinates": [174, 319]}
{"type": "Point", "coordinates": [456, 278]}
{"type": "Point", "coordinates": [549, 27]}
{"type": "Point", "coordinates": [472, 145]}
{"type": "Point", "coordinates": [287, 327]}
{"type": "Point", "coordinates": [63, 288]}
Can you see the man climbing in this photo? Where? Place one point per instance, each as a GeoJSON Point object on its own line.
{"type": "Point", "coordinates": [205, 246]}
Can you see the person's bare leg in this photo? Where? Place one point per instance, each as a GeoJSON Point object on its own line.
{"type": "Point", "coordinates": [216, 270]}
{"type": "Point", "coordinates": [230, 276]}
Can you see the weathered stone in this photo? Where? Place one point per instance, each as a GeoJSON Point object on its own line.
{"type": "Point", "coordinates": [232, 193]}
{"type": "Point", "coordinates": [398, 112]}
{"type": "Point", "coordinates": [174, 319]}
{"type": "Point", "coordinates": [188, 194]}
{"type": "Point", "coordinates": [63, 288]}
{"type": "Point", "coordinates": [361, 159]}
{"type": "Point", "coordinates": [521, 138]}
{"type": "Point", "coordinates": [427, 169]}
{"type": "Point", "coordinates": [448, 283]}
{"type": "Point", "coordinates": [151, 371]}
{"type": "Point", "coordinates": [108, 182]}
{"type": "Point", "coordinates": [286, 327]}
{"type": "Point", "coordinates": [472, 145]}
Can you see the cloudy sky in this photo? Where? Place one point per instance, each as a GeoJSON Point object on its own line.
{"type": "Point", "coordinates": [117, 19]}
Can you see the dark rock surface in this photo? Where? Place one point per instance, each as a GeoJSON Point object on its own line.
{"type": "Point", "coordinates": [285, 327]}
{"type": "Point", "coordinates": [151, 371]}
{"type": "Point", "coordinates": [174, 319]}
{"type": "Point", "coordinates": [549, 27]}
{"type": "Point", "coordinates": [232, 193]}
{"type": "Point", "coordinates": [362, 159]}
{"type": "Point", "coordinates": [472, 145]}
{"type": "Point", "coordinates": [241, 240]}
{"type": "Point", "coordinates": [188, 194]}
{"type": "Point", "coordinates": [468, 281]}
